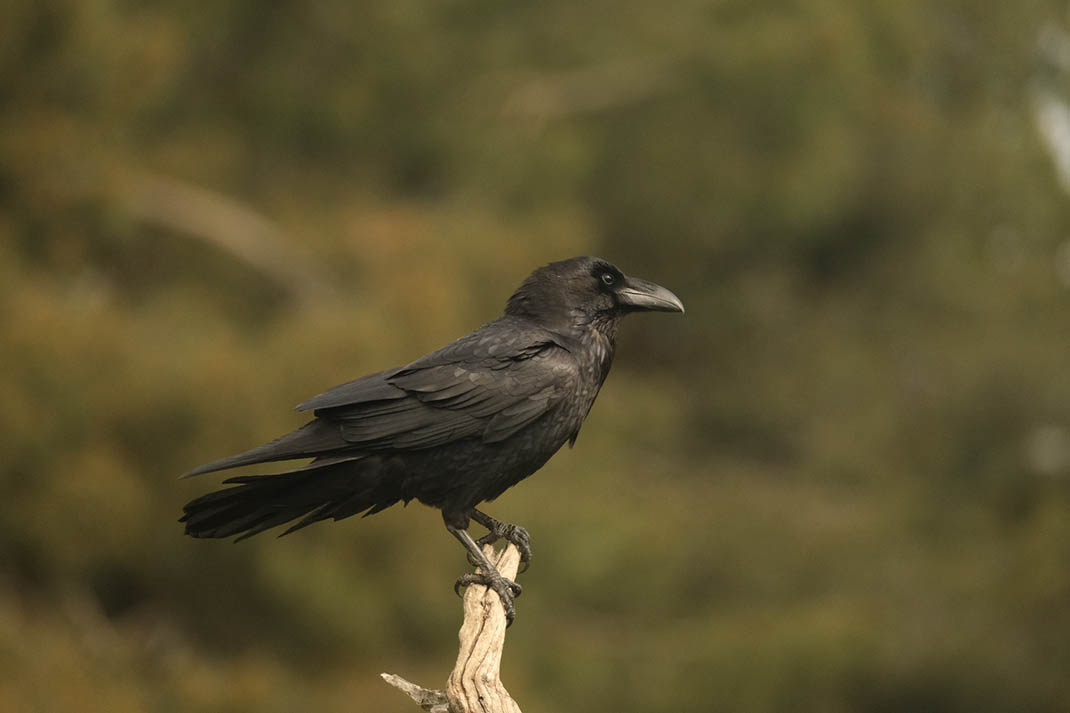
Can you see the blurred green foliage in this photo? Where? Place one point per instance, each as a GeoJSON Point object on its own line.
{"type": "Point", "coordinates": [840, 483]}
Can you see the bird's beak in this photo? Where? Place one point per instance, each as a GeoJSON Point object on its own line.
{"type": "Point", "coordinates": [643, 295]}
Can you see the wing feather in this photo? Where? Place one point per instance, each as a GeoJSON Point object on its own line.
{"type": "Point", "coordinates": [488, 385]}
{"type": "Point", "coordinates": [515, 417]}
{"type": "Point", "coordinates": [371, 388]}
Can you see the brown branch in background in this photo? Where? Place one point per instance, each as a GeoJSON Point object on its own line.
{"type": "Point", "coordinates": [601, 88]}
{"type": "Point", "coordinates": [474, 685]}
{"type": "Point", "coordinates": [226, 224]}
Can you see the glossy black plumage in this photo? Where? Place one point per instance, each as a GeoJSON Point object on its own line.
{"type": "Point", "coordinates": [452, 429]}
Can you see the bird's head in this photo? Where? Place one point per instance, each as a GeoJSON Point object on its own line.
{"type": "Point", "coordinates": [586, 290]}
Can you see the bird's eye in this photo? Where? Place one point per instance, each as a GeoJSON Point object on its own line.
{"type": "Point", "coordinates": [608, 278]}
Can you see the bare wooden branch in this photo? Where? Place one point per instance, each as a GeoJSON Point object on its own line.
{"type": "Point", "coordinates": [603, 87]}
{"type": "Point", "coordinates": [474, 686]}
{"type": "Point", "coordinates": [432, 700]}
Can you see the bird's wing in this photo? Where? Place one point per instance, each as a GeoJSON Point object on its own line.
{"type": "Point", "coordinates": [373, 387]}
{"type": "Point", "coordinates": [489, 385]}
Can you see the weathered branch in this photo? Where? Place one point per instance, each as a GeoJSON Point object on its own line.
{"type": "Point", "coordinates": [603, 87]}
{"type": "Point", "coordinates": [474, 685]}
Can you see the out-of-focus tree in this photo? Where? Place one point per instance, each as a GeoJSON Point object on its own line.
{"type": "Point", "coordinates": [840, 482]}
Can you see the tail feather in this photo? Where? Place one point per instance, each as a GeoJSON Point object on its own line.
{"type": "Point", "coordinates": [259, 502]}
{"type": "Point", "coordinates": [321, 513]}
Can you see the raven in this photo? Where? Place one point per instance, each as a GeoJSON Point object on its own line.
{"type": "Point", "coordinates": [452, 429]}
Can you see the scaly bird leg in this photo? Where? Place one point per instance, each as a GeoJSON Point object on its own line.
{"type": "Point", "coordinates": [507, 589]}
{"type": "Point", "coordinates": [503, 530]}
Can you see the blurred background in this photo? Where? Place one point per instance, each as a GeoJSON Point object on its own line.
{"type": "Point", "coordinates": [840, 482]}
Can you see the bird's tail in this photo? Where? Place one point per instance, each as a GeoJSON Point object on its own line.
{"type": "Point", "coordinates": [260, 502]}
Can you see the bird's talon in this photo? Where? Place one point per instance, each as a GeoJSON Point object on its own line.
{"type": "Point", "coordinates": [514, 534]}
{"type": "Point", "coordinates": [506, 589]}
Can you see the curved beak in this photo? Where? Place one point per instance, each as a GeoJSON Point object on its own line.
{"type": "Point", "coordinates": [644, 295]}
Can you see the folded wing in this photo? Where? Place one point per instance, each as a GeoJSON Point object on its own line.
{"type": "Point", "coordinates": [488, 385]}
{"type": "Point", "coordinates": [460, 393]}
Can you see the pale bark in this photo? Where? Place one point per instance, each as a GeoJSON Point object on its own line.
{"type": "Point", "coordinates": [474, 686]}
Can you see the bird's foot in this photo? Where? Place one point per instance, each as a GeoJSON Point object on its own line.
{"type": "Point", "coordinates": [498, 530]}
{"type": "Point", "coordinates": [506, 589]}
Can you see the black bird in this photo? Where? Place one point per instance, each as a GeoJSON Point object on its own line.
{"type": "Point", "coordinates": [452, 429]}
